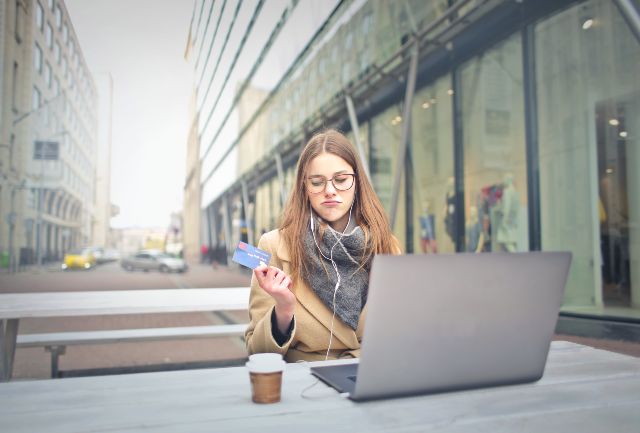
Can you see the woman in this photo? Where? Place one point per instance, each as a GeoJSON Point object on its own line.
{"type": "Point", "coordinates": [309, 303]}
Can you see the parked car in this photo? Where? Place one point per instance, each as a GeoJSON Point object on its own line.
{"type": "Point", "coordinates": [97, 252]}
{"type": "Point", "coordinates": [153, 260]}
{"type": "Point", "coordinates": [79, 259]}
{"type": "Point", "coordinates": [111, 255]}
{"type": "Point", "coordinates": [103, 255]}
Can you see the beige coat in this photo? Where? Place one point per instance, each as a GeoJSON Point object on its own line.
{"type": "Point", "coordinates": [310, 336]}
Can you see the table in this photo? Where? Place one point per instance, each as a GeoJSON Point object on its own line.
{"type": "Point", "coordinates": [583, 390]}
{"type": "Point", "coordinates": [16, 306]}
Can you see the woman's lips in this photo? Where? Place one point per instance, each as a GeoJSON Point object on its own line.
{"type": "Point", "coordinates": [330, 203]}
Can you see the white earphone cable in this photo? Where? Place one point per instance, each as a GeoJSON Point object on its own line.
{"type": "Point", "coordinates": [335, 268]}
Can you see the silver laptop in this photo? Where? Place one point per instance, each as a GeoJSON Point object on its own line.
{"type": "Point", "coordinates": [447, 322]}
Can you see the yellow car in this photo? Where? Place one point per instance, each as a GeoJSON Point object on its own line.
{"type": "Point", "coordinates": [79, 259]}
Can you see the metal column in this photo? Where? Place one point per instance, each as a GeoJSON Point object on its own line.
{"type": "Point", "coordinates": [406, 131]}
{"type": "Point", "coordinates": [531, 143]}
{"type": "Point", "coordinates": [279, 167]}
{"type": "Point", "coordinates": [248, 218]}
{"type": "Point", "coordinates": [631, 16]}
{"type": "Point", "coordinates": [356, 134]}
{"type": "Point", "coordinates": [458, 162]}
{"type": "Point", "coordinates": [226, 221]}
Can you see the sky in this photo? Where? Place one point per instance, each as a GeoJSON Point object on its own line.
{"type": "Point", "coordinates": [141, 44]}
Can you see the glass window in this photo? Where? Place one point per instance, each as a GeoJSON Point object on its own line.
{"type": "Point", "coordinates": [432, 169]}
{"type": "Point", "coordinates": [58, 17]}
{"type": "Point", "coordinates": [588, 93]}
{"type": "Point", "coordinates": [50, 4]}
{"type": "Point", "coordinates": [56, 86]}
{"type": "Point", "coordinates": [14, 87]}
{"type": "Point", "coordinates": [495, 175]}
{"type": "Point", "coordinates": [47, 74]}
{"type": "Point", "coordinates": [56, 52]}
{"type": "Point", "coordinates": [39, 16]}
{"type": "Point", "coordinates": [385, 139]}
{"type": "Point", "coordinates": [49, 35]}
{"type": "Point", "coordinates": [37, 58]}
{"type": "Point", "coordinates": [65, 33]}
{"type": "Point", "coordinates": [35, 98]}
{"type": "Point", "coordinates": [18, 21]}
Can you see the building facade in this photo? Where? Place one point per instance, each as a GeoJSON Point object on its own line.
{"type": "Point", "coordinates": [485, 125]}
{"type": "Point", "coordinates": [48, 132]}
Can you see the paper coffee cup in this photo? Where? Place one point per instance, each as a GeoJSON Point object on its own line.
{"type": "Point", "coordinates": [265, 372]}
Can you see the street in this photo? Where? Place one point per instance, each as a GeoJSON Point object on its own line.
{"type": "Point", "coordinates": [34, 363]}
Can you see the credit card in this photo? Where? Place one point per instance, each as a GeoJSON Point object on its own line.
{"type": "Point", "coordinates": [250, 256]}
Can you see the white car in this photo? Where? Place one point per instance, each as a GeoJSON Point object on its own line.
{"type": "Point", "coordinates": [153, 260]}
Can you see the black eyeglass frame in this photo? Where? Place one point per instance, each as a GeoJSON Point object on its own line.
{"type": "Point", "coordinates": [325, 181]}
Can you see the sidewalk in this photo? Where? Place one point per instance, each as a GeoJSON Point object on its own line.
{"type": "Point", "coordinates": [33, 269]}
{"type": "Point", "coordinates": [206, 275]}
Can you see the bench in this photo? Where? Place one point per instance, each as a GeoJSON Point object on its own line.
{"type": "Point", "coordinates": [56, 343]}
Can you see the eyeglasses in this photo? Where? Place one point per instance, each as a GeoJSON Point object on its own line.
{"type": "Point", "coordinates": [341, 182]}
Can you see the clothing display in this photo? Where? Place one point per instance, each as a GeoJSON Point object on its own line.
{"type": "Point", "coordinates": [427, 226]}
{"type": "Point", "coordinates": [450, 216]}
{"type": "Point", "coordinates": [487, 200]}
{"type": "Point", "coordinates": [473, 235]}
{"type": "Point", "coordinates": [507, 224]}
{"type": "Point", "coordinates": [428, 233]}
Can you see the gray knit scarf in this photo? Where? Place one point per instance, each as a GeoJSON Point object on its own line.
{"type": "Point", "coordinates": [321, 276]}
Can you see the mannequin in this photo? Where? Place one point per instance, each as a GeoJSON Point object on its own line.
{"type": "Point", "coordinates": [450, 210]}
{"type": "Point", "coordinates": [474, 232]}
{"type": "Point", "coordinates": [507, 232]}
{"type": "Point", "coordinates": [427, 229]}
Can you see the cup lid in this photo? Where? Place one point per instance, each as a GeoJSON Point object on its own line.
{"type": "Point", "coordinates": [265, 367]}
{"type": "Point", "coordinates": [265, 357]}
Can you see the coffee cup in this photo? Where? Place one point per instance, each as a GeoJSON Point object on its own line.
{"type": "Point", "coordinates": [265, 372]}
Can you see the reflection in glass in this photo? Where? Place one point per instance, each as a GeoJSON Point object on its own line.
{"type": "Point", "coordinates": [432, 170]}
{"type": "Point", "coordinates": [385, 140]}
{"type": "Point", "coordinates": [494, 150]}
{"type": "Point", "coordinates": [589, 111]}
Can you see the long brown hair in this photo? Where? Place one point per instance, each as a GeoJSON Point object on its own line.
{"type": "Point", "coordinates": [367, 209]}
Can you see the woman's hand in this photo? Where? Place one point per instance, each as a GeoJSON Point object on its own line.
{"type": "Point", "coordinates": [277, 284]}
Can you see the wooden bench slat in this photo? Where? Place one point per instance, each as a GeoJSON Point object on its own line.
{"type": "Point", "coordinates": [129, 335]}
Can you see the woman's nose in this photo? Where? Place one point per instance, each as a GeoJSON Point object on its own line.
{"type": "Point", "coordinates": [329, 188]}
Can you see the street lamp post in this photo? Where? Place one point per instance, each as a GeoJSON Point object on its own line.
{"type": "Point", "coordinates": [39, 219]}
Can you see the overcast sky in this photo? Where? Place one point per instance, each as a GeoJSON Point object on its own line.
{"type": "Point", "coordinates": [141, 43]}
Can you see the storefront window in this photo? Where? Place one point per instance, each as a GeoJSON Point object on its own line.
{"type": "Point", "coordinates": [432, 169]}
{"type": "Point", "coordinates": [495, 176]}
{"type": "Point", "coordinates": [363, 132]}
{"type": "Point", "coordinates": [588, 93]}
{"type": "Point", "coordinates": [385, 141]}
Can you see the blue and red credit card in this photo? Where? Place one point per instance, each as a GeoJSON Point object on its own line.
{"type": "Point", "coordinates": [250, 256]}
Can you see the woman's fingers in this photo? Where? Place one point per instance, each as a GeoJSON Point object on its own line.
{"type": "Point", "coordinates": [280, 278]}
{"type": "Point", "coordinates": [272, 280]}
{"type": "Point", "coordinates": [261, 274]}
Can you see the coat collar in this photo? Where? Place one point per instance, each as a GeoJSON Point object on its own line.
{"type": "Point", "coordinates": [282, 251]}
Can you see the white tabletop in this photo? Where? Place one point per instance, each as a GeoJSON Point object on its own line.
{"type": "Point", "coordinates": [583, 390]}
{"type": "Point", "coordinates": [59, 304]}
